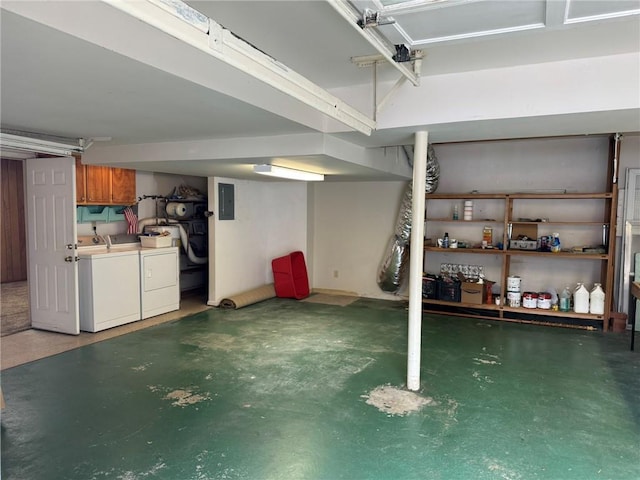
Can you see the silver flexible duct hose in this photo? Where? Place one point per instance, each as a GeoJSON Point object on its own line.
{"type": "Point", "coordinates": [394, 264]}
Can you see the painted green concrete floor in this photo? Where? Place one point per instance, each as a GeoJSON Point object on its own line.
{"type": "Point", "coordinates": [278, 390]}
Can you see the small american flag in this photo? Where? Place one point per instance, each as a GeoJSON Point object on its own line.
{"type": "Point", "coordinates": [132, 220]}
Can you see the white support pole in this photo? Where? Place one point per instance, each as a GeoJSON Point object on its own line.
{"type": "Point", "coordinates": [416, 257]}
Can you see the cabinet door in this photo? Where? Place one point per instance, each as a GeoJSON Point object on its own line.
{"type": "Point", "coordinates": [123, 185]}
{"type": "Point", "coordinates": [81, 182]}
{"type": "Point", "coordinates": [98, 184]}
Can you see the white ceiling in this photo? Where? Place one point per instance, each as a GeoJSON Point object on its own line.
{"type": "Point", "coordinates": [55, 79]}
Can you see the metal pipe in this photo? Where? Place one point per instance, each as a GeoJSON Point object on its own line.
{"type": "Point", "coordinates": [416, 258]}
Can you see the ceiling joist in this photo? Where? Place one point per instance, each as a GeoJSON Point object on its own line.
{"type": "Point", "coordinates": [222, 44]}
{"type": "Point", "coordinates": [379, 42]}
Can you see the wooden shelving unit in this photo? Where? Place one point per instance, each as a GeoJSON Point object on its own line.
{"type": "Point", "coordinates": [503, 206]}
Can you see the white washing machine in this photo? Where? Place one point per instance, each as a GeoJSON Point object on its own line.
{"type": "Point", "coordinates": [108, 287]}
{"type": "Point", "coordinates": [159, 280]}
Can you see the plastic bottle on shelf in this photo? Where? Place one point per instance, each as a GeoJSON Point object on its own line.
{"type": "Point", "coordinates": [445, 240]}
{"type": "Point", "coordinates": [555, 243]}
{"type": "Point", "coordinates": [565, 300]}
{"type": "Point", "coordinates": [596, 300]}
{"type": "Point", "coordinates": [456, 212]}
{"type": "Point", "coordinates": [581, 299]}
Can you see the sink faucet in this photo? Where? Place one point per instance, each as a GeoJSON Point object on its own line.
{"type": "Point", "coordinates": [106, 239]}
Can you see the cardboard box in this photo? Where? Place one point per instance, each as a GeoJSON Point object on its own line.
{"type": "Point", "coordinates": [529, 230]}
{"type": "Point", "coordinates": [472, 292]}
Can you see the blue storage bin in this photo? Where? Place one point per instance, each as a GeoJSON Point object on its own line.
{"type": "Point", "coordinates": [116, 214]}
{"type": "Point", "coordinates": [97, 213]}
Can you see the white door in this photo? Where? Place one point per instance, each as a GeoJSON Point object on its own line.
{"type": "Point", "coordinates": [51, 232]}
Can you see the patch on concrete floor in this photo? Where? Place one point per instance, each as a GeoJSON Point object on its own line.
{"type": "Point", "coordinates": [396, 401]}
{"type": "Point", "coordinates": [141, 368]}
{"type": "Point", "coordinates": [324, 298]}
{"type": "Point", "coordinates": [182, 397]}
{"type": "Point", "coordinates": [484, 361]}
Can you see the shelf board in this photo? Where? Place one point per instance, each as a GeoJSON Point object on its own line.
{"type": "Point", "coordinates": [535, 253]}
{"type": "Point", "coordinates": [563, 196]}
{"type": "Point", "coordinates": [465, 196]}
{"type": "Point", "coordinates": [588, 224]}
{"type": "Point", "coordinates": [519, 253]}
{"type": "Point", "coordinates": [521, 310]}
{"type": "Point", "coordinates": [482, 251]}
{"type": "Point", "coordinates": [486, 220]}
{"type": "Point", "coordinates": [553, 313]}
{"type": "Point", "coordinates": [515, 195]}
{"type": "Point", "coordinates": [479, 306]}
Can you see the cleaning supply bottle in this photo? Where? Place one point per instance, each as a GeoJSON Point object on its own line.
{"type": "Point", "coordinates": [596, 300]}
{"type": "Point", "coordinates": [445, 240]}
{"type": "Point", "coordinates": [581, 299]}
{"type": "Point", "coordinates": [565, 300]}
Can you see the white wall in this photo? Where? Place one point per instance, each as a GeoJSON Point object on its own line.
{"type": "Point", "coordinates": [517, 94]}
{"type": "Point", "coordinates": [270, 221]}
{"type": "Point", "coordinates": [352, 224]}
{"type": "Point", "coordinates": [150, 183]}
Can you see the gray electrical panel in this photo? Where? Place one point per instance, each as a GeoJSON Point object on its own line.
{"type": "Point", "coordinates": [226, 202]}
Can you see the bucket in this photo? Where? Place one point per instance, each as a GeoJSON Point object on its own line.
{"type": "Point", "coordinates": [513, 284]}
{"type": "Point", "coordinates": [513, 299]}
{"type": "Point", "coordinates": [530, 300]}
{"type": "Point", "coordinates": [544, 300]}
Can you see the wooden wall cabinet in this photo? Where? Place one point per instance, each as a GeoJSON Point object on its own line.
{"type": "Point", "coordinates": [123, 186]}
{"type": "Point", "coordinates": [97, 185]}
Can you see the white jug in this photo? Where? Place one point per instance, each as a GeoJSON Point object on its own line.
{"type": "Point", "coordinates": [596, 298]}
{"type": "Point", "coordinates": [581, 299]}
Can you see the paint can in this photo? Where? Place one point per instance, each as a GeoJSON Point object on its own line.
{"type": "Point", "coordinates": [530, 300]}
{"type": "Point", "coordinates": [513, 299]}
{"type": "Point", "coordinates": [544, 300]}
{"type": "Point", "coordinates": [513, 284]}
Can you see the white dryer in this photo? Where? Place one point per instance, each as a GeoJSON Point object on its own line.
{"type": "Point", "coordinates": [159, 280]}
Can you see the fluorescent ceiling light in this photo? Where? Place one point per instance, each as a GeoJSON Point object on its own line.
{"type": "Point", "coordinates": [36, 145]}
{"type": "Point", "coordinates": [290, 173]}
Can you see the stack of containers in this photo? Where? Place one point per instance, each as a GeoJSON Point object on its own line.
{"type": "Point", "coordinates": [513, 291]}
{"type": "Point", "coordinates": [468, 210]}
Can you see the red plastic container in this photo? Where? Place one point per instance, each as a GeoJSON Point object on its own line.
{"type": "Point", "coordinates": [290, 276]}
